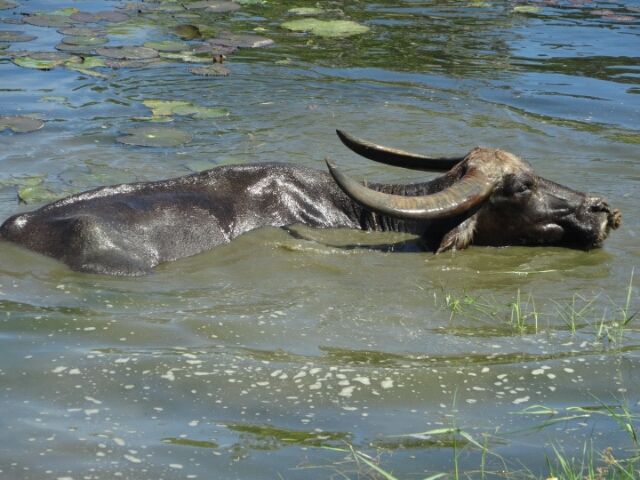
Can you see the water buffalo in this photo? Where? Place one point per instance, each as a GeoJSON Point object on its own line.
{"type": "Point", "coordinates": [488, 197]}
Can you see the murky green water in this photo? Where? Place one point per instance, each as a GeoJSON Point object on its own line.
{"type": "Point", "coordinates": [250, 360]}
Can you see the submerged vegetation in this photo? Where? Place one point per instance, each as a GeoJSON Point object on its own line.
{"type": "Point", "coordinates": [605, 325]}
{"type": "Point", "coordinates": [600, 315]}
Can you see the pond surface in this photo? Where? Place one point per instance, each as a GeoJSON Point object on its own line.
{"type": "Point", "coordinates": [271, 357]}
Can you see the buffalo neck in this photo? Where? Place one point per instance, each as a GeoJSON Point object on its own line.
{"type": "Point", "coordinates": [369, 220]}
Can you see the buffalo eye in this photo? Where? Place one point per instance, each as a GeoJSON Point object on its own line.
{"type": "Point", "coordinates": [518, 184]}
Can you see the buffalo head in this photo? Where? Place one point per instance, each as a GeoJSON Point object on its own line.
{"type": "Point", "coordinates": [488, 197]}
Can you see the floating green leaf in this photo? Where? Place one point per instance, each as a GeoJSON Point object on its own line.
{"type": "Point", "coordinates": [190, 443]}
{"type": "Point", "coordinates": [48, 20]}
{"type": "Point", "coordinates": [84, 41]}
{"type": "Point", "coordinates": [84, 17]}
{"type": "Point", "coordinates": [326, 28]}
{"type": "Point", "coordinates": [188, 57]}
{"type": "Point", "coordinates": [128, 53]}
{"type": "Point", "coordinates": [215, 69]}
{"type": "Point", "coordinates": [6, 4]}
{"type": "Point", "coordinates": [28, 62]}
{"type": "Point", "coordinates": [36, 194]}
{"type": "Point", "coordinates": [81, 32]}
{"type": "Point", "coordinates": [107, 16]}
{"type": "Point", "coordinates": [75, 49]}
{"type": "Point", "coordinates": [87, 174]}
{"type": "Point", "coordinates": [57, 99]}
{"type": "Point", "coordinates": [115, 63]}
{"type": "Point", "coordinates": [633, 138]}
{"type": "Point", "coordinates": [31, 189]}
{"type": "Point", "coordinates": [15, 36]}
{"type": "Point", "coordinates": [290, 437]}
{"type": "Point", "coordinates": [305, 11]}
{"type": "Point", "coordinates": [168, 46]}
{"type": "Point", "coordinates": [216, 6]}
{"type": "Point", "coordinates": [165, 108]}
{"type": "Point", "coordinates": [92, 62]}
{"type": "Point", "coordinates": [155, 137]}
{"type": "Point", "coordinates": [86, 71]}
{"type": "Point", "coordinates": [112, 16]}
{"type": "Point", "coordinates": [45, 60]}
{"type": "Point", "coordinates": [65, 12]}
{"type": "Point", "coordinates": [212, 49]}
{"type": "Point", "coordinates": [165, 7]}
{"type": "Point", "coordinates": [526, 9]}
{"type": "Point", "coordinates": [188, 32]}
{"type": "Point", "coordinates": [207, 30]}
{"type": "Point", "coordinates": [228, 39]}
{"type": "Point", "coordinates": [20, 124]}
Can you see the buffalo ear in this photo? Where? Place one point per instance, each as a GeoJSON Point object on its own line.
{"type": "Point", "coordinates": [459, 237]}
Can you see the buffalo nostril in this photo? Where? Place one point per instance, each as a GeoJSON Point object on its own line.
{"type": "Point", "coordinates": [598, 205]}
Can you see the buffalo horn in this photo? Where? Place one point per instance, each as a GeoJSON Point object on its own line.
{"type": "Point", "coordinates": [473, 188]}
{"type": "Point", "coordinates": [395, 157]}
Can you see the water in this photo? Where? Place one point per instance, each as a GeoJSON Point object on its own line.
{"type": "Point", "coordinates": [247, 361]}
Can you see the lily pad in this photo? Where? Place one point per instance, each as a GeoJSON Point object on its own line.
{"type": "Point", "coordinates": [164, 8]}
{"type": "Point", "coordinates": [36, 192]}
{"type": "Point", "coordinates": [620, 18]}
{"type": "Point", "coordinates": [6, 5]}
{"type": "Point", "coordinates": [20, 124]}
{"type": "Point", "coordinates": [84, 41]}
{"type": "Point", "coordinates": [75, 49]}
{"type": "Point", "coordinates": [87, 66]}
{"type": "Point", "coordinates": [148, 136]}
{"type": "Point", "coordinates": [88, 174]}
{"type": "Point", "coordinates": [44, 60]}
{"type": "Point", "coordinates": [526, 9]}
{"type": "Point", "coordinates": [128, 52]}
{"type": "Point", "coordinates": [213, 50]}
{"type": "Point", "coordinates": [47, 20]}
{"type": "Point", "coordinates": [188, 32]}
{"type": "Point", "coordinates": [188, 57]}
{"type": "Point", "coordinates": [116, 63]}
{"type": "Point", "coordinates": [216, 6]}
{"type": "Point", "coordinates": [227, 39]}
{"type": "Point", "coordinates": [81, 32]}
{"type": "Point", "coordinates": [84, 17]}
{"type": "Point", "coordinates": [65, 12]}
{"type": "Point", "coordinates": [326, 28]}
{"type": "Point", "coordinates": [303, 11]}
{"type": "Point", "coordinates": [57, 99]}
{"type": "Point", "coordinates": [112, 16]}
{"type": "Point", "coordinates": [207, 30]}
{"type": "Point", "coordinates": [30, 188]}
{"type": "Point", "coordinates": [165, 108]}
{"type": "Point", "coordinates": [168, 46]}
{"type": "Point", "coordinates": [93, 62]}
{"type": "Point", "coordinates": [211, 70]}
{"type": "Point", "coordinates": [15, 36]}
{"type": "Point", "coordinates": [107, 16]}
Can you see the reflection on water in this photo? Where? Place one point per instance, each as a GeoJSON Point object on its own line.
{"type": "Point", "coordinates": [261, 358]}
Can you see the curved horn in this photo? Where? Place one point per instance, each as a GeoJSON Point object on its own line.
{"type": "Point", "coordinates": [395, 157]}
{"type": "Point", "coordinates": [473, 188]}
